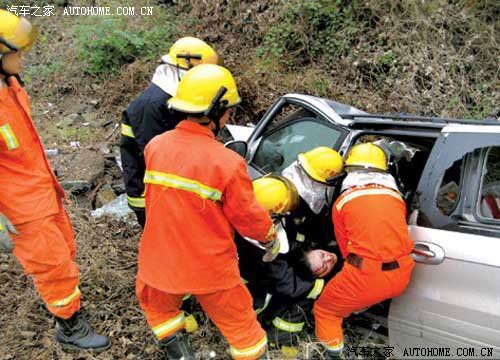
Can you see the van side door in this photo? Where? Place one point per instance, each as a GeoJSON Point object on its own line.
{"type": "Point", "coordinates": [452, 305]}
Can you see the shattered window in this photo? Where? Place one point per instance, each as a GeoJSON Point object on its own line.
{"type": "Point", "coordinates": [449, 189]}
{"type": "Point", "coordinates": [489, 206]}
{"type": "Point", "coordinates": [281, 147]}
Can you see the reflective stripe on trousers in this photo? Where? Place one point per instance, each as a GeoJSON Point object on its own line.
{"type": "Point", "coordinates": [67, 300]}
{"type": "Point", "coordinates": [137, 202]}
{"type": "Point", "coordinates": [249, 351]}
{"type": "Point", "coordinates": [169, 326]}
{"type": "Point", "coordinates": [287, 326]}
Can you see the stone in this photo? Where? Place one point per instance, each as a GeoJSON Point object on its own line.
{"type": "Point", "coordinates": [70, 120]}
{"type": "Point", "coordinates": [28, 334]}
{"type": "Point", "coordinates": [104, 149]}
{"type": "Point", "coordinates": [104, 196]}
{"type": "Point", "coordinates": [91, 119]}
{"type": "Point", "coordinates": [79, 171]}
{"type": "Point", "coordinates": [118, 186]}
{"type": "Point", "coordinates": [76, 186]}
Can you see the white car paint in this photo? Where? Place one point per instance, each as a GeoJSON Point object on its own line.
{"type": "Point", "coordinates": [239, 132]}
{"type": "Point", "coordinates": [456, 128]}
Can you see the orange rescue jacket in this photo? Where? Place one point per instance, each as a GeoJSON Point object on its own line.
{"type": "Point", "coordinates": [29, 189]}
{"type": "Point", "coordinates": [370, 221]}
{"type": "Point", "coordinates": [196, 192]}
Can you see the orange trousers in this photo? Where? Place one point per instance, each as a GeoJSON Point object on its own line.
{"type": "Point", "coordinates": [46, 250]}
{"type": "Point", "coordinates": [231, 311]}
{"type": "Point", "coordinates": [352, 290]}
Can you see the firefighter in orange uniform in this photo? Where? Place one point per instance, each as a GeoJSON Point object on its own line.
{"type": "Point", "coordinates": [197, 194]}
{"type": "Point", "coordinates": [33, 222]}
{"type": "Point", "coordinates": [370, 227]}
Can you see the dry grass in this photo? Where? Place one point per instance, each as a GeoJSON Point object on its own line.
{"type": "Point", "coordinates": [107, 252]}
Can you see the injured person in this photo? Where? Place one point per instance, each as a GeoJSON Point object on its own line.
{"type": "Point", "coordinates": [284, 290]}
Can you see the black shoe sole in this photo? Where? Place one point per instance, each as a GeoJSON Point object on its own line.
{"type": "Point", "coordinates": [74, 348]}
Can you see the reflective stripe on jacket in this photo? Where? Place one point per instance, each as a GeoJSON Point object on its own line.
{"type": "Point", "coordinates": [29, 189]}
{"type": "Point", "coordinates": [197, 191]}
{"type": "Point", "coordinates": [370, 221]}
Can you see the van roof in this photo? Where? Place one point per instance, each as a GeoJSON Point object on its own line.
{"type": "Point", "coordinates": [355, 118]}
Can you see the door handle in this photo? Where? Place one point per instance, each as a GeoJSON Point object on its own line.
{"type": "Point", "coordinates": [428, 253]}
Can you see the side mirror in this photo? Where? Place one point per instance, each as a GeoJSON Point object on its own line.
{"type": "Point", "coordinates": [238, 146]}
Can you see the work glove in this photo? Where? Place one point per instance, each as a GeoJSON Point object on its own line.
{"type": "Point", "coordinates": [6, 228]}
{"type": "Point", "coordinates": [272, 250]}
{"type": "Point", "coordinates": [272, 247]}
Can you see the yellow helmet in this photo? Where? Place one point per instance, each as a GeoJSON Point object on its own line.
{"type": "Point", "coordinates": [16, 33]}
{"type": "Point", "coordinates": [321, 163]}
{"type": "Point", "coordinates": [276, 194]}
{"type": "Point", "coordinates": [204, 87]}
{"type": "Point", "coordinates": [188, 52]}
{"type": "Point", "coordinates": [367, 155]}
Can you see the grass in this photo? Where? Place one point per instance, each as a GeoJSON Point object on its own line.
{"type": "Point", "coordinates": [106, 44]}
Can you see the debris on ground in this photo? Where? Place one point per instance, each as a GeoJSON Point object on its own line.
{"type": "Point", "coordinates": [117, 208]}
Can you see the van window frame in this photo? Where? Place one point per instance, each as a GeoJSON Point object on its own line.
{"type": "Point", "coordinates": [477, 213]}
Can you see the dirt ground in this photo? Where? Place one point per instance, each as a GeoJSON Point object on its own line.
{"type": "Point", "coordinates": [107, 259]}
{"type": "Point", "coordinates": [107, 252]}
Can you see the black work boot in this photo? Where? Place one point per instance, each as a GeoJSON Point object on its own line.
{"type": "Point", "coordinates": [76, 333]}
{"type": "Point", "coordinates": [177, 347]}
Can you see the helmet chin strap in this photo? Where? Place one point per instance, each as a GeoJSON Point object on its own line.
{"type": "Point", "coordinates": [188, 58]}
{"type": "Point", "coordinates": [216, 110]}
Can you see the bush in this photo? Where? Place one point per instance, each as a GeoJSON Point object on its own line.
{"type": "Point", "coordinates": [312, 29]}
{"type": "Point", "coordinates": [105, 45]}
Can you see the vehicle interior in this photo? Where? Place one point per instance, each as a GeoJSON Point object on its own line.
{"type": "Point", "coordinates": [408, 156]}
{"type": "Point", "coordinates": [296, 129]}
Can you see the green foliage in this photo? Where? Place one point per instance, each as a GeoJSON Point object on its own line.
{"type": "Point", "coordinates": [318, 85]}
{"type": "Point", "coordinates": [312, 29]}
{"type": "Point", "coordinates": [106, 44]}
{"type": "Point", "coordinates": [42, 71]}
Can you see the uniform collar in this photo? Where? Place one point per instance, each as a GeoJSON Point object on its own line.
{"type": "Point", "coordinates": [11, 84]}
{"type": "Point", "coordinates": [195, 128]}
{"type": "Point", "coordinates": [364, 178]}
{"type": "Point", "coordinates": [14, 84]}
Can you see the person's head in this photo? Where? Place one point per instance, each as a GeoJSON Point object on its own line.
{"type": "Point", "coordinates": [320, 262]}
{"type": "Point", "coordinates": [321, 163]}
{"type": "Point", "coordinates": [366, 157]}
{"type": "Point", "coordinates": [206, 94]}
{"type": "Point", "coordinates": [276, 194]}
{"type": "Point", "coordinates": [17, 36]}
{"type": "Point", "coordinates": [189, 52]}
